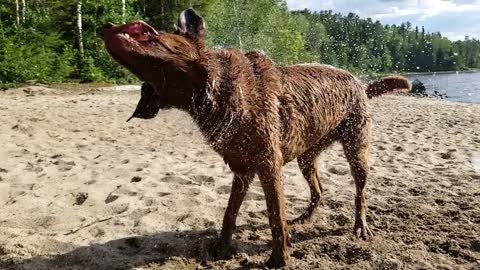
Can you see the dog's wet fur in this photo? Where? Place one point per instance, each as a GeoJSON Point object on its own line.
{"type": "Point", "coordinates": [257, 115]}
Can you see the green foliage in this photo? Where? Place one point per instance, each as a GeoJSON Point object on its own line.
{"type": "Point", "coordinates": [289, 47]}
{"type": "Point", "coordinates": [46, 59]}
{"type": "Point", "coordinates": [88, 72]}
{"type": "Point", "coordinates": [46, 46]}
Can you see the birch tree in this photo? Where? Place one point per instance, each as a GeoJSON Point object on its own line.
{"type": "Point", "coordinates": [237, 32]}
{"type": "Point", "coordinates": [17, 21]}
{"type": "Point", "coordinates": [24, 7]}
{"type": "Point", "coordinates": [123, 12]}
{"type": "Point", "coordinates": [79, 30]}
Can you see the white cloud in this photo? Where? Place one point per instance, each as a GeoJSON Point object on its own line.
{"type": "Point", "coordinates": [461, 15]}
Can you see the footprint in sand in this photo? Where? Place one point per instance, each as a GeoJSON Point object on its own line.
{"type": "Point", "coordinates": [333, 204]}
{"type": "Point", "coordinates": [225, 189]}
{"type": "Point", "coordinates": [136, 179]}
{"type": "Point", "coordinates": [341, 219]}
{"type": "Point", "coordinates": [253, 196]}
{"type": "Point", "coordinates": [149, 201]}
{"type": "Point", "coordinates": [193, 192]}
{"type": "Point", "coordinates": [80, 198]}
{"type": "Point", "coordinates": [96, 232]}
{"type": "Point", "coordinates": [294, 199]}
{"type": "Point", "coordinates": [448, 155]}
{"type": "Point", "coordinates": [27, 130]}
{"type": "Point", "coordinates": [381, 147]}
{"type": "Point", "coordinates": [163, 194]}
{"type": "Point", "coordinates": [46, 221]}
{"type": "Point", "coordinates": [418, 191]}
{"type": "Point", "coordinates": [176, 180]}
{"type": "Point", "coordinates": [258, 215]}
{"type": "Point", "coordinates": [32, 168]}
{"type": "Point", "coordinates": [137, 215]}
{"type": "Point", "coordinates": [204, 180]}
{"type": "Point", "coordinates": [339, 169]}
{"type": "Point", "coordinates": [126, 191]}
{"type": "Point", "coordinates": [386, 158]}
{"type": "Point", "coordinates": [90, 182]}
{"type": "Point", "coordinates": [64, 166]}
{"type": "Point", "coordinates": [111, 198]}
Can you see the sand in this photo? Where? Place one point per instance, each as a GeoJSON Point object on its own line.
{"type": "Point", "coordinates": [82, 189]}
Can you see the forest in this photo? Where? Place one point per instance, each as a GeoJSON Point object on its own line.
{"type": "Point", "coordinates": [58, 40]}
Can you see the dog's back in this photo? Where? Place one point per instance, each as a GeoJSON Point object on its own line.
{"type": "Point", "coordinates": [316, 99]}
{"type": "Point", "coordinates": [303, 103]}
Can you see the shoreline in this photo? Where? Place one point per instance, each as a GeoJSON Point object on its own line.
{"type": "Point", "coordinates": [446, 99]}
{"type": "Point", "coordinates": [136, 88]}
{"type": "Point", "coordinates": [438, 72]}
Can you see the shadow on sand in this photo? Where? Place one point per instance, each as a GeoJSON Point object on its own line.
{"type": "Point", "coordinates": [185, 249]}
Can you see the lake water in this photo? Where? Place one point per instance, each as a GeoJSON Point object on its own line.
{"type": "Point", "coordinates": [461, 87]}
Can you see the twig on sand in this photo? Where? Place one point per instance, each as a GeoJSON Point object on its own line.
{"type": "Point", "coordinates": [83, 226]}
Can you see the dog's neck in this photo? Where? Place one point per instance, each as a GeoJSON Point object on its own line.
{"type": "Point", "coordinates": [212, 92]}
{"type": "Point", "coordinates": [216, 104]}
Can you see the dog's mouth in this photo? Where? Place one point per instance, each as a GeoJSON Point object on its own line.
{"type": "Point", "coordinates": [138, 31]}
{"type": "Point", "coordinates": [129, 44]}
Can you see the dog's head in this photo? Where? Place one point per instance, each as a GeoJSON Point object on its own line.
{"type": "Point", "coordinates": [148, 53]}
{"type": "Point", "coordinates": [167, 62]}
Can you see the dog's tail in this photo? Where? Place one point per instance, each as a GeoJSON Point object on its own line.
{"type": "Point", "coordinates": [388, 84]}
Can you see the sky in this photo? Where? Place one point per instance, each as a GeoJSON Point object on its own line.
{"type": "Point", "coordinates": [455, 19]}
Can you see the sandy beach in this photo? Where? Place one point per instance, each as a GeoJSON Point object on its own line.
{"type": "Point", "coordinates": [80, 188]}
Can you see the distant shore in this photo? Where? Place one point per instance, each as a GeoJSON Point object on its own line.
{"type": "Point", "coordinates": [438, 72]}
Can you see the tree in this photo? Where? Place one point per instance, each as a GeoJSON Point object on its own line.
{"type": "Point", "coordinates": [79, 31]}
{"type": "Point", "coordinates": [24, 7]}
{"type": "Point", "coordinates": [17, 21]}
{"type": "Point", "coordinates": [124, 13]}
{"type": "Point", "coordinates": [55, 40]}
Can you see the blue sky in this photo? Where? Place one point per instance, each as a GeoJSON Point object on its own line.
{"type": "Point", "coordinates": [453, 18]}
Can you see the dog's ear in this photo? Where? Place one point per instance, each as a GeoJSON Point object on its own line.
{"type": "Point", "coordinates": [149, 104]}
{"type": "Point", "coordinates": [192, 24]}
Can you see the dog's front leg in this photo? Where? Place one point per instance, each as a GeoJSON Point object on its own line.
{"type": "Point", "coordinates": [271, 180]}
{"type": "Point", "coordinates": [222, 247]}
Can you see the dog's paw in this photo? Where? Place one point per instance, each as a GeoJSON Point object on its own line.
{"type": "Point", "coordinates": [219, 249]}
{"type": "Point", "coordinates": [277, 261]}
{"type": "Point", "coordinates": [362, 231]}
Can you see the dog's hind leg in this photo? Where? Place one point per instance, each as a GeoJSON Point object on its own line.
{"type": "Point", "coordinates": [308, 165]}
{"type": "Point", "coordinates": [222, 247]}
{"type": "Point", "coordinates": [355, 144]}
